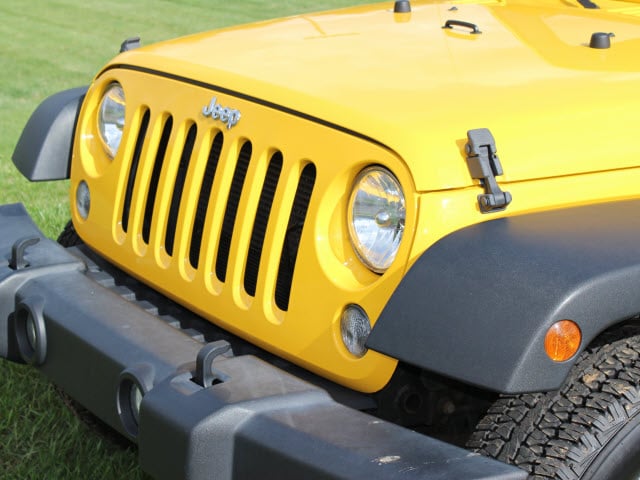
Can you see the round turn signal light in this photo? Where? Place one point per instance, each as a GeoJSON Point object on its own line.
{"type": "Point", "coordinates": [562, 340]}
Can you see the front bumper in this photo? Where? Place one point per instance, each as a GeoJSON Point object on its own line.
{"type": "Point", "coordinates": [205, 413]}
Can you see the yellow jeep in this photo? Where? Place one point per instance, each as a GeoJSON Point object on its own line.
{"type": "Point", "coordinates": [349, 244]}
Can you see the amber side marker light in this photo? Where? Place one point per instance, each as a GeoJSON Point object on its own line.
{"type": "Point", "coordinates": [562, 340]}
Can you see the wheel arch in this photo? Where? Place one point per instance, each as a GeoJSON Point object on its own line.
{"type": "Point", "coordinates": [476, 306]}
{"type": "Point", "coordinates": [43, 151]}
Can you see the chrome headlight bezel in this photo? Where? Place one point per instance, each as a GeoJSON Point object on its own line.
{"type": "Point", "coordinates": [111, 118]}
{"type": "Point", "coordinates": [376, 217]}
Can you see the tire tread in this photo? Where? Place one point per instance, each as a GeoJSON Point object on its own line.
{"type": "Point", "coordinates": [69, 237]}
{"type": "Point", "coordinates": [558, 434]}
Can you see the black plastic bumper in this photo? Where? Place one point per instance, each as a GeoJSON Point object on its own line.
{"type": "Point", "coordinates": [249, 420]}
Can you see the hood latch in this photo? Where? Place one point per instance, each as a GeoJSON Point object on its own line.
{"type": "Point", "coordinates": [484, 165]}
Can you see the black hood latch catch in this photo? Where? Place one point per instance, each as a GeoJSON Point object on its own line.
{"type": "Point", "coordinates": [484, 165]}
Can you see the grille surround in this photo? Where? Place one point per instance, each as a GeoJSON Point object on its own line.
{"type": "Point", "coordinates": [325, 277]}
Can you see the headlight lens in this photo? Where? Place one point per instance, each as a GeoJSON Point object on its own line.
{"type": "Point", "coordinates": [111, 118]}
{"type": "Point", "coordinates": [376, 217]}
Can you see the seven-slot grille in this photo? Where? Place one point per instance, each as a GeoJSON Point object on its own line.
{"type": "Point", "coordinates": [155, 160]}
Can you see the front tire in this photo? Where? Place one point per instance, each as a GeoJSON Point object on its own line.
{"type": "Point", "coordinates": [588, 430]}
{"type": "Point", "coordinates": [69, 237]}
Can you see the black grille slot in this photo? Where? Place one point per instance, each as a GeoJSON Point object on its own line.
{"type": "Point", "coordinates": [293, 235]}
{"type": "Point", "coordinates": [232, 209]}
{"type": "Point", "coordinates": [260, 223]}
{"type": "Point", "coordinates": [178, 187]}
{"type": "Point", "coordinates": [133, 171]}
{"type": "Point", "coordinates": [155, 178]}
{"type": "Point", "coordinates": [203, 200]}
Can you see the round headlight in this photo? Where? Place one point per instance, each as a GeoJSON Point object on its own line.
{"type": "Point", "coordinates": [376, 217]}
{"type": "Point", "coordinates": [111, 118]}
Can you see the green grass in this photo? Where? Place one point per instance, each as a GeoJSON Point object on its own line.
{"type": "Point", "coordinates": [48, 46]}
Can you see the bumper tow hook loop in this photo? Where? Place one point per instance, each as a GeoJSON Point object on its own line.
{"type": "Point", "coordinates": [18, 249]}
{"type": "Point", "coordinates": [206, 375]}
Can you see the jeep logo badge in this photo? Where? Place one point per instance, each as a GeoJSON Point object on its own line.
{"type": "Point", "coordinates": [230, 116]}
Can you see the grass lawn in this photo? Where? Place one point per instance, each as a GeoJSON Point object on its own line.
{"type": "Point", "coordinates": [48, 46]}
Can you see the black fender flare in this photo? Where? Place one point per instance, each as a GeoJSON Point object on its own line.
{"type": "Point", "coordinates": [476, 306]}
{"type": "Point", "coordinates": [43, 151]}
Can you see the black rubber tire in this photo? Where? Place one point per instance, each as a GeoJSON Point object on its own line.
{"type": "Point", "coordinates": [588, 430]}
{"type": "Point", "coordinates": [69, 237]}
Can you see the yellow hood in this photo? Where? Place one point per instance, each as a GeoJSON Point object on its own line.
{"type": "Point", "coordinates": [554, 105]}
